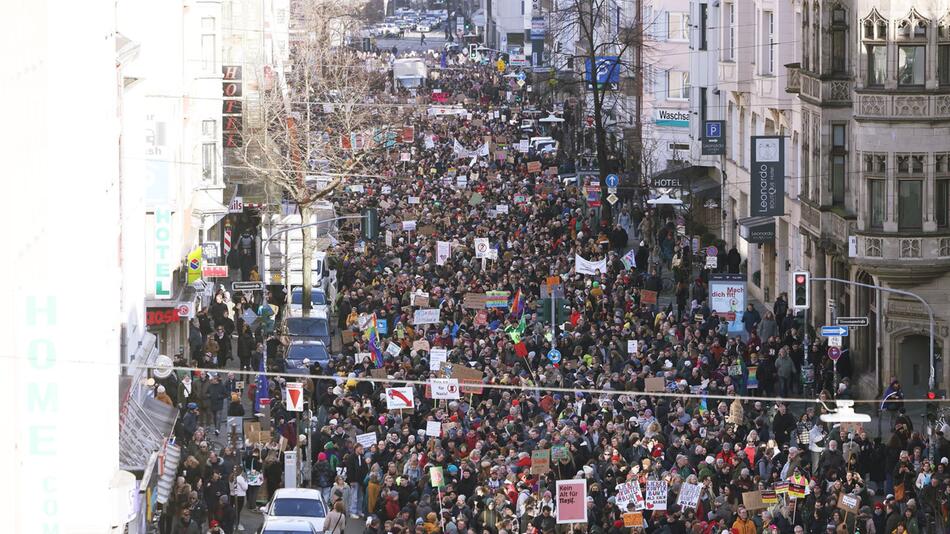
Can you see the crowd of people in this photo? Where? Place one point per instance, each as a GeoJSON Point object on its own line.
{"type": "Point", "coordinates": [598, 400]}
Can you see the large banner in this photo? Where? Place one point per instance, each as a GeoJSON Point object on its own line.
{"type": "Point", "coordinates": [583, 266]}
{"type": "Point", "coordinates": [463, 153]}
{"type": "Point", "coordinates": [767, 195]}
{"type": "Point", "coordinates": [727, 296]}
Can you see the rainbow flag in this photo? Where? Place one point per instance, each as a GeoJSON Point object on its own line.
{"type": "Point", "coordinates": [517, 304]}
{"type": "Point", "coordinates": [703, 408]}
{"type": "Point", "coordinates": [372, 335]}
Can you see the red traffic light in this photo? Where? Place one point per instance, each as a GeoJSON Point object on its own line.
{"type": "Point", "coordinates": [800, 279]}
{"type": "Point", "coordinates": [931, 395]}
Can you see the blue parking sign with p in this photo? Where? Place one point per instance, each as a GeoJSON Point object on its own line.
{"type": "Point", "coordinates": [713, 129]}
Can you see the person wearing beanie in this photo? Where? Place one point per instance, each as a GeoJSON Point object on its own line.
{"type": "Point", "coordinates": [323, 476]}
{"type": "Point", "coordinates": [161, 395]}
{"type": "Point", "coordinates": [235, 408]}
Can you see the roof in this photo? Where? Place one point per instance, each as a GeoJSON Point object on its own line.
{"type": "Point", "coordinates": [298, 493]}
{"type": "Point", "coordinates": [286, 524]}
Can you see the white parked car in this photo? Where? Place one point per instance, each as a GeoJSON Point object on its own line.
{"type": "Point", "coordinates": [423, 28]}
{"type": "Point", "coordinates": [297, 503]}
{"type": "Point", "coordinates": [280, 525]}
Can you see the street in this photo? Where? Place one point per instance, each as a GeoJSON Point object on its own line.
{"type": "Point", "coordinates": [410, 42]}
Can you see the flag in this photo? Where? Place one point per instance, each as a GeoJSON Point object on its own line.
{"type": "Point", "coordinates": [372, 335]}
{"type": "Point", "coordinates": [515, 332]}
{"type": "Point", "coordinates": [703, 408]}
{"type": "Point", "coordinates": [261, 391]}
{"type": "Point", "coordinates": [517, 304]}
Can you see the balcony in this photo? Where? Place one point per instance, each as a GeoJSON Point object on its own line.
{"type": "Point", "coordinates": [810, 216]}
{"type": "Point", "coordinates": [908, 258]}
{"type": "Point", "coordinates": [793, 81]}
{"type": "Point", "coordinates": [901, 106]}
{"type": "Point", "coordinates": [833, 225]}
{"type": "Point", "coordinates": [824, 92]}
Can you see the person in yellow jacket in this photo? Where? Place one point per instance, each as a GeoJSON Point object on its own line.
{"type": "Point", "coordinates": [742, 524]}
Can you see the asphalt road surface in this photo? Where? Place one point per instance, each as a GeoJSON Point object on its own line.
{"type": "Point", "coordinates": [411, 41]}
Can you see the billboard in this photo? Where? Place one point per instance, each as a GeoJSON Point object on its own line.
{"type": "Point", "coordinates": [767, 188]}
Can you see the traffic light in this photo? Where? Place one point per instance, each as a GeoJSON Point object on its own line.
{"type": "Point", "coordinates": [931, 406]}
{"type": "Point", "coordinates": [561, 309]}
{"type": "Point", "coordinates": [369, 224]}
{"type": "Point", "coordinates": [801, 290]}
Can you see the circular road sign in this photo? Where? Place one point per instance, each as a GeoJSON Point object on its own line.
{"type": "Point", "coordinates": [612, 180]}
{"type": "Point", "coordinates": [554, 355]}
{"type": "Point", "coordinates": [712, 251]}
{"type": "Point", "coordinates": [834, 353]}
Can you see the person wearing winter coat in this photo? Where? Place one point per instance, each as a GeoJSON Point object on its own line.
{"type": "Point", "coordinates": [216, 395]}
{"type": "Point", "coordinates": [323, 476]}
{"type": "Point", "coordinates": [767, 327]}
{"type": "Point", "coordinates": [184, 524]}
{"type": "Point", "coordinates": [238, 493]}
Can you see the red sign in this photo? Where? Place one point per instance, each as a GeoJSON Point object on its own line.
{"type": "Point", "coordinates": [440, 97]}
{"type": "Point", "coordinates": [161, 316]}
{"type": "Point", "coordinates": [214, 271]}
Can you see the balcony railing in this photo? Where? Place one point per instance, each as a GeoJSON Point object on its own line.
{"type": "Point", "coordinates": [793, 81]}
{"type": "Point", "coordinates": [904, 259]}
{"type": "Point", "coordinates": [902, 106]}
{"type": "Point", "coordinates": [824, 91]}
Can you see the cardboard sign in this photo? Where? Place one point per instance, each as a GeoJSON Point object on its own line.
{"type": "Point", "coordinates": [348, 336]}
{"type": "Point", "coordinates": [420, 300]}
{"type": "Point", "coordinates": [475, 301]}
{"type": "Point", "coordinates": [427, 230]}
{"type": "Point", "coordinates": [849, 503]}
{"type": "Point", "coordinates": [540, 461]}
{"type": "Point", "coordinates": [560, 452]}
{"type": "Point", "coordinates": [378, 373]}
{"type": "Point", "coordinates": [633, 519]}
{"type": "Point", "coordinates": [752, 500]}
{"type": "Point", "coordinates": [654, 384]}
{"type": "Point", "coordinates": [647, 297]}
{"type": "Point", "coordinates": [656, 494]}
{"type": "Point", "coordinates": [468, 378]}
{"type": "Point", "coordinates": [689, 495]}
{"type": "Point", "coordinates": [367, 440]}
{"type": "Point", "coordinates": [420, 345]}
{"type": "Point", "coordinates": [252, 430]}
{"type": "Point", "coordinates": [433, 428]}
{"type": "Point", "coordinates": [571, 501]}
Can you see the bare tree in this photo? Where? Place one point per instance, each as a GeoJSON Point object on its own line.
{"type": "Point", "coordinates": [592, 29]}
{"type": "Point", "coordinates": [310, 113]}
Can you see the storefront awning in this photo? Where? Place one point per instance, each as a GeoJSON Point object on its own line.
{"type": "Point", "coordinates": [757, 229]}
{"type": "Point", "coordinates": [184, 295]}
{"type": "Point", "coordinates": [207, 209]}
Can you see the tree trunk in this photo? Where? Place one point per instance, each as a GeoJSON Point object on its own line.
{"type": "Point", "coordinates": [307, 258]}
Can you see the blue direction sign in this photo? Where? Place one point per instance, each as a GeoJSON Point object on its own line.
{"type": "Point", "coordinates": [612, 180]}
{"type": "Point", "coordinates": [554, 355]}
{"type": "Point", "coordinates": [828, 331]}
{"type": "Point", "coordinates": [522, 76]}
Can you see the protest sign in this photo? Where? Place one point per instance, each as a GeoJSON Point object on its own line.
{"type": "Point", "coordinates": [849, 503]}
{"type": "Point", "coordinates": [647, 296]}
{"type": "Point", "coordinates": [752, 500]}
{"type": "Point", "coordinates": [571, 501]}
{"type": "Point", "coordinates": [629, 493]}
{"type": "Point", "coordinates": [426, 316]}
{"type": "Point", "coordinates": [655, 497]}
{"type": "Point", "coordinates": [633, 519]}
{"type": "Point", "coordinates": [444, 388]}
{"type": "Point", "coordinates": [367, 440]}
{"type": "Point", "coordinates": [584, 266]}
{"type": "Point", "coordinates": [436, 357]}
{"type": "Point", "coordinates": [433, 428]}
{"type": "Point", "coordinates": [436, 477]}
{"type": "Point", "coordinates": [540, 461]}
{"type": "Point", "coordinates": [689, 495]}
{"type": "Point", "coordinates": [400, 398]}
{"type": "Point", "coordinates": [443, 251]}
{"type": "Point", "coordinates": [654, 384]}
{"type": "Point", "coordinates": [393, 349]}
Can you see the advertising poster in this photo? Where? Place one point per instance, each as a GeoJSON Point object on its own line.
{"type": "Point", "coordinates": [727, 296]}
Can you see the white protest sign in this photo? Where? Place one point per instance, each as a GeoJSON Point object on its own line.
{"type": "Point", "coordinates": [656, 495]}
{"type": "Point", "coordinates": [444, 388]}
{"type": "Point", "coordinates": [295, 396]}
{"type": "Point", "coordinates": [400, 398]}
{"type": "Point", "coordinates": [413, 200]}
{"type": "Point", "coordinates": [409, 226]}
{"type": "Point", "coordinates": [492, 254]}
{"type": "Point", "coordinates": [583, 266]}
{"type": "Point", "coordinates": [443, 250]}
{"type": "Point", "coordinates": [389, 238]}
{"type": "Point", "coordinates": [405, 156]}
{"type": "Point", "coordinates": [393, 349]}
{"type": "Point", "coordinates": [689, 495]}
{"type": "Point", "coordinates": [501, 208]}
{"type": "Point", "coordinates": [433, 428]}
{"type": "Point", "coordinates": [426, 316]}
{"type": "Point", "coordinates": [437, 357]}
{"type": "Point", "coordinates": [523, 145]}
{"type": "Point", "coordinates": [627, 493]}
{"type": "Point", "coordinates": [386, 190]}
{"type": "Point", "coordinates": [481, 247]}
{"type": "Point", "coordinates": [632, 346]}
{"type": "Point", "coordinates": [367, 440]}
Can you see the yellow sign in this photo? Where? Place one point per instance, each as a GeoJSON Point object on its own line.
{"type": "Point", "coordinates": [501, 65]}
{"type": "Point", "coordinates": [194, 265]}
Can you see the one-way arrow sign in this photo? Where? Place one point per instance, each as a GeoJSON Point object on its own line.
{"type": "Point", "coordinates": [828, 331]}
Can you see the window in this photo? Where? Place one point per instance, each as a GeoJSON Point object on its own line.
{"type": "Point", "coordinates": [209, 167]}
{"type": "Point", "coordinates": [703, 104]}
{"type": "Point", "coordinates": [838, 50]}
{"type": "Point", "coordinates": [768, 37]}
{"type": "Point", "coordinates": [838, 163]}
{"type": "Point", "coordinates": [207, 45]}
{"type": "Point", "coordinates": [208, 129]}
{"type": "Point", "coordinates": [677, 83]}
{"type": "Point", "coordinates": [877, 65]}
{"type": "Point", "coordinates": [805, 46]}
{"type": "Point", "coordinates": [943, 64]}
{"type": "Point", "coordinates": [942, 203]}
{"type": "Point", "coordinates": [876, 204]}
{"type": "Point", "coordinates": [909, 205]}
{"type": "Point", "coordinates": [678, 24]}
{"type": "Point", "coordinates": [703, 22]}
{"type": "Point", "coordinates": [911, 63]}
{"type": "Point", "coordinates": [730, 48]}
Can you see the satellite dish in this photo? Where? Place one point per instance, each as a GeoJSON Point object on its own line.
{"type": "Point", "coordinates": [163, 367]}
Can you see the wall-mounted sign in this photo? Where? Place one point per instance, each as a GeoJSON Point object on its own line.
{"type": "Point", "coordinates": [767, 195]}
{"type": "Point", "coordinates": [232, 109]}
{"type": "Point", "coordinates": [714, 138]}
{"type": "Point", "coordinates": [676, 118]}
{"type": "Point", "coordinates": [161, 259]}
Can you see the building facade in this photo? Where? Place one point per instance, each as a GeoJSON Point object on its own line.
{"type": "Point", "coordinates": [855, 89]}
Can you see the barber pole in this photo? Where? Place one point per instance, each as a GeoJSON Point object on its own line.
{"type": "Point", "coordinates": [227, 239]}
